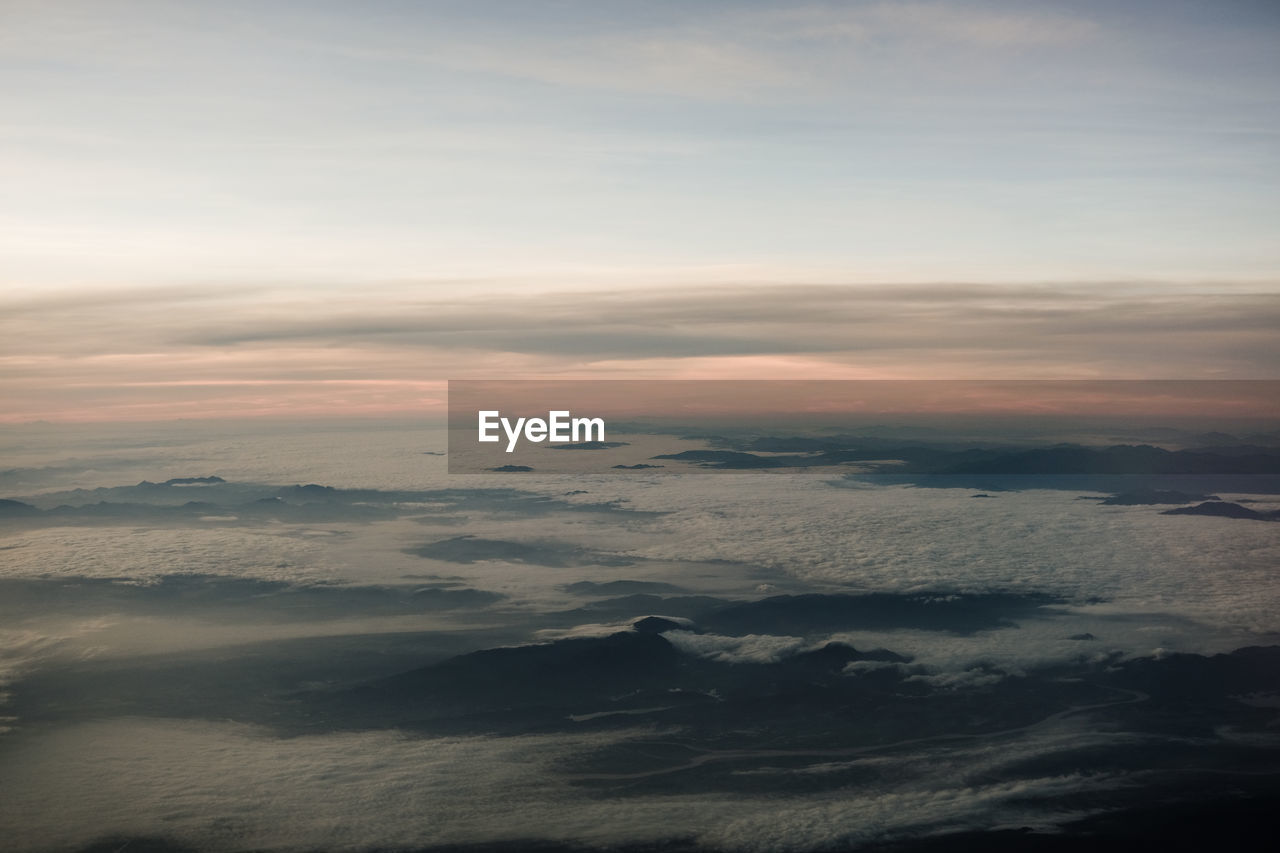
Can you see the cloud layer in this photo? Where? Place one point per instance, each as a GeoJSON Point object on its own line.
{"type": "Point", "coordinates": [198, 352]}
{"type": "Point", "coordinates": [227, 786]}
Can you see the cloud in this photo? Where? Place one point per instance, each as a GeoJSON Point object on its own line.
{"type": "Point", "coordinates": [975, 677]}
{"type": "Point", "coordinates": [752, 648]}
{"type": "Point", "coordinates": [232, 599]}
{"type": "Point", "coordinates": [773, 319]}
{"type": "Point", "coordinates": [592, 629]}
{"type": "Point", "coordinates": [984, 25]}
{"type": "Point", "coordinates": [289, 352]}
{"type": "Point", "coordinates": [727, 52]}
{"type": "Point", "coordinates": [864, 139]}
{"type": "Point", "coordinates": [1119, 568]}
{"type": "Point", "coordinates": [24, 649]}
{"type": "Point", "coordinates": [226, 786]}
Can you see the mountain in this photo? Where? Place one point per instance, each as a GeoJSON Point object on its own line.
{"type": "Point", "coordinates": [1147, 497]}
{"type": "Point", "coordinates": [1121, 459]}
{"type": "Point", "coordinates": [814, 613]}
{"type": "Point", "coordinates": [16, 509]}
{"type": "Point", "coordinates": [1224, 509]}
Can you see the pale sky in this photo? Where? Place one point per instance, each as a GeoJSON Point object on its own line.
{"type": "Point", "coordinates": [203, 196]}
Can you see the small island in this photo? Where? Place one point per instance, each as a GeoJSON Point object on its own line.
{"type": "Point", "coordinates": [1225, 509]}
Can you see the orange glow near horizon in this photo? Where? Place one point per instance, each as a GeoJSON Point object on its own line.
{"type": "Point", "coordinates": [159, 356]}
{"type": "Point", "coordinates": [721, 390]}
{"type": "Point", "coordinates": [785, 399]}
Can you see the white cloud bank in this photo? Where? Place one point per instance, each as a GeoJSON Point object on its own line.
{"type": "Point", "coordinates": [227, 786]}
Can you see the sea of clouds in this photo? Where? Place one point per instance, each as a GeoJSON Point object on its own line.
{"type": "Point", "coordinates": [1140, 583]}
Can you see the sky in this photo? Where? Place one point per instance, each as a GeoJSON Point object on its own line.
{"type": "Point", "coordinates": [292, 208]}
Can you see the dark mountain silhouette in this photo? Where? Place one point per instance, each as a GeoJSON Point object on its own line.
{"type": "Point", "coordinates": [834, 657]}
{"type": "Point", "coordinates": [1224, 509]}
{"type": "Point", "coordinates": [1057, 460]}
{"type": "Point", "coordinates": [1181, 677]}
{"type": "Point", "coordinates": [311, 491]}
{"type": "Point", "coordinates": [16, 509]}
{"type": "Point", "coordinates": [803, 615]}
{"type": "Point", "coordinates": [1121, 459]}
{"type": "Point", "coordinates": [254, 502]}
{"type": "Point", "coordinates": [915, 459]}
{"type": "Point", "coordinates": [728, 459]}
{"type": "Point", "coordinates": [537, 686]}
{"type": "Point", "coordinates": [558, 674]}
{"type": "Point", "coordinates": [185, 481]}
{"type": "Point", "coordinates": [1238, 450]}
{"type": "Point", "coordinates": [1144, 497]}
{"type": "Point", "coordinates": [657, 624]}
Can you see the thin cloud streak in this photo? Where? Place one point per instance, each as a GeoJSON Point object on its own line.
{"type": "Point", "coordinates": [283, 350]}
